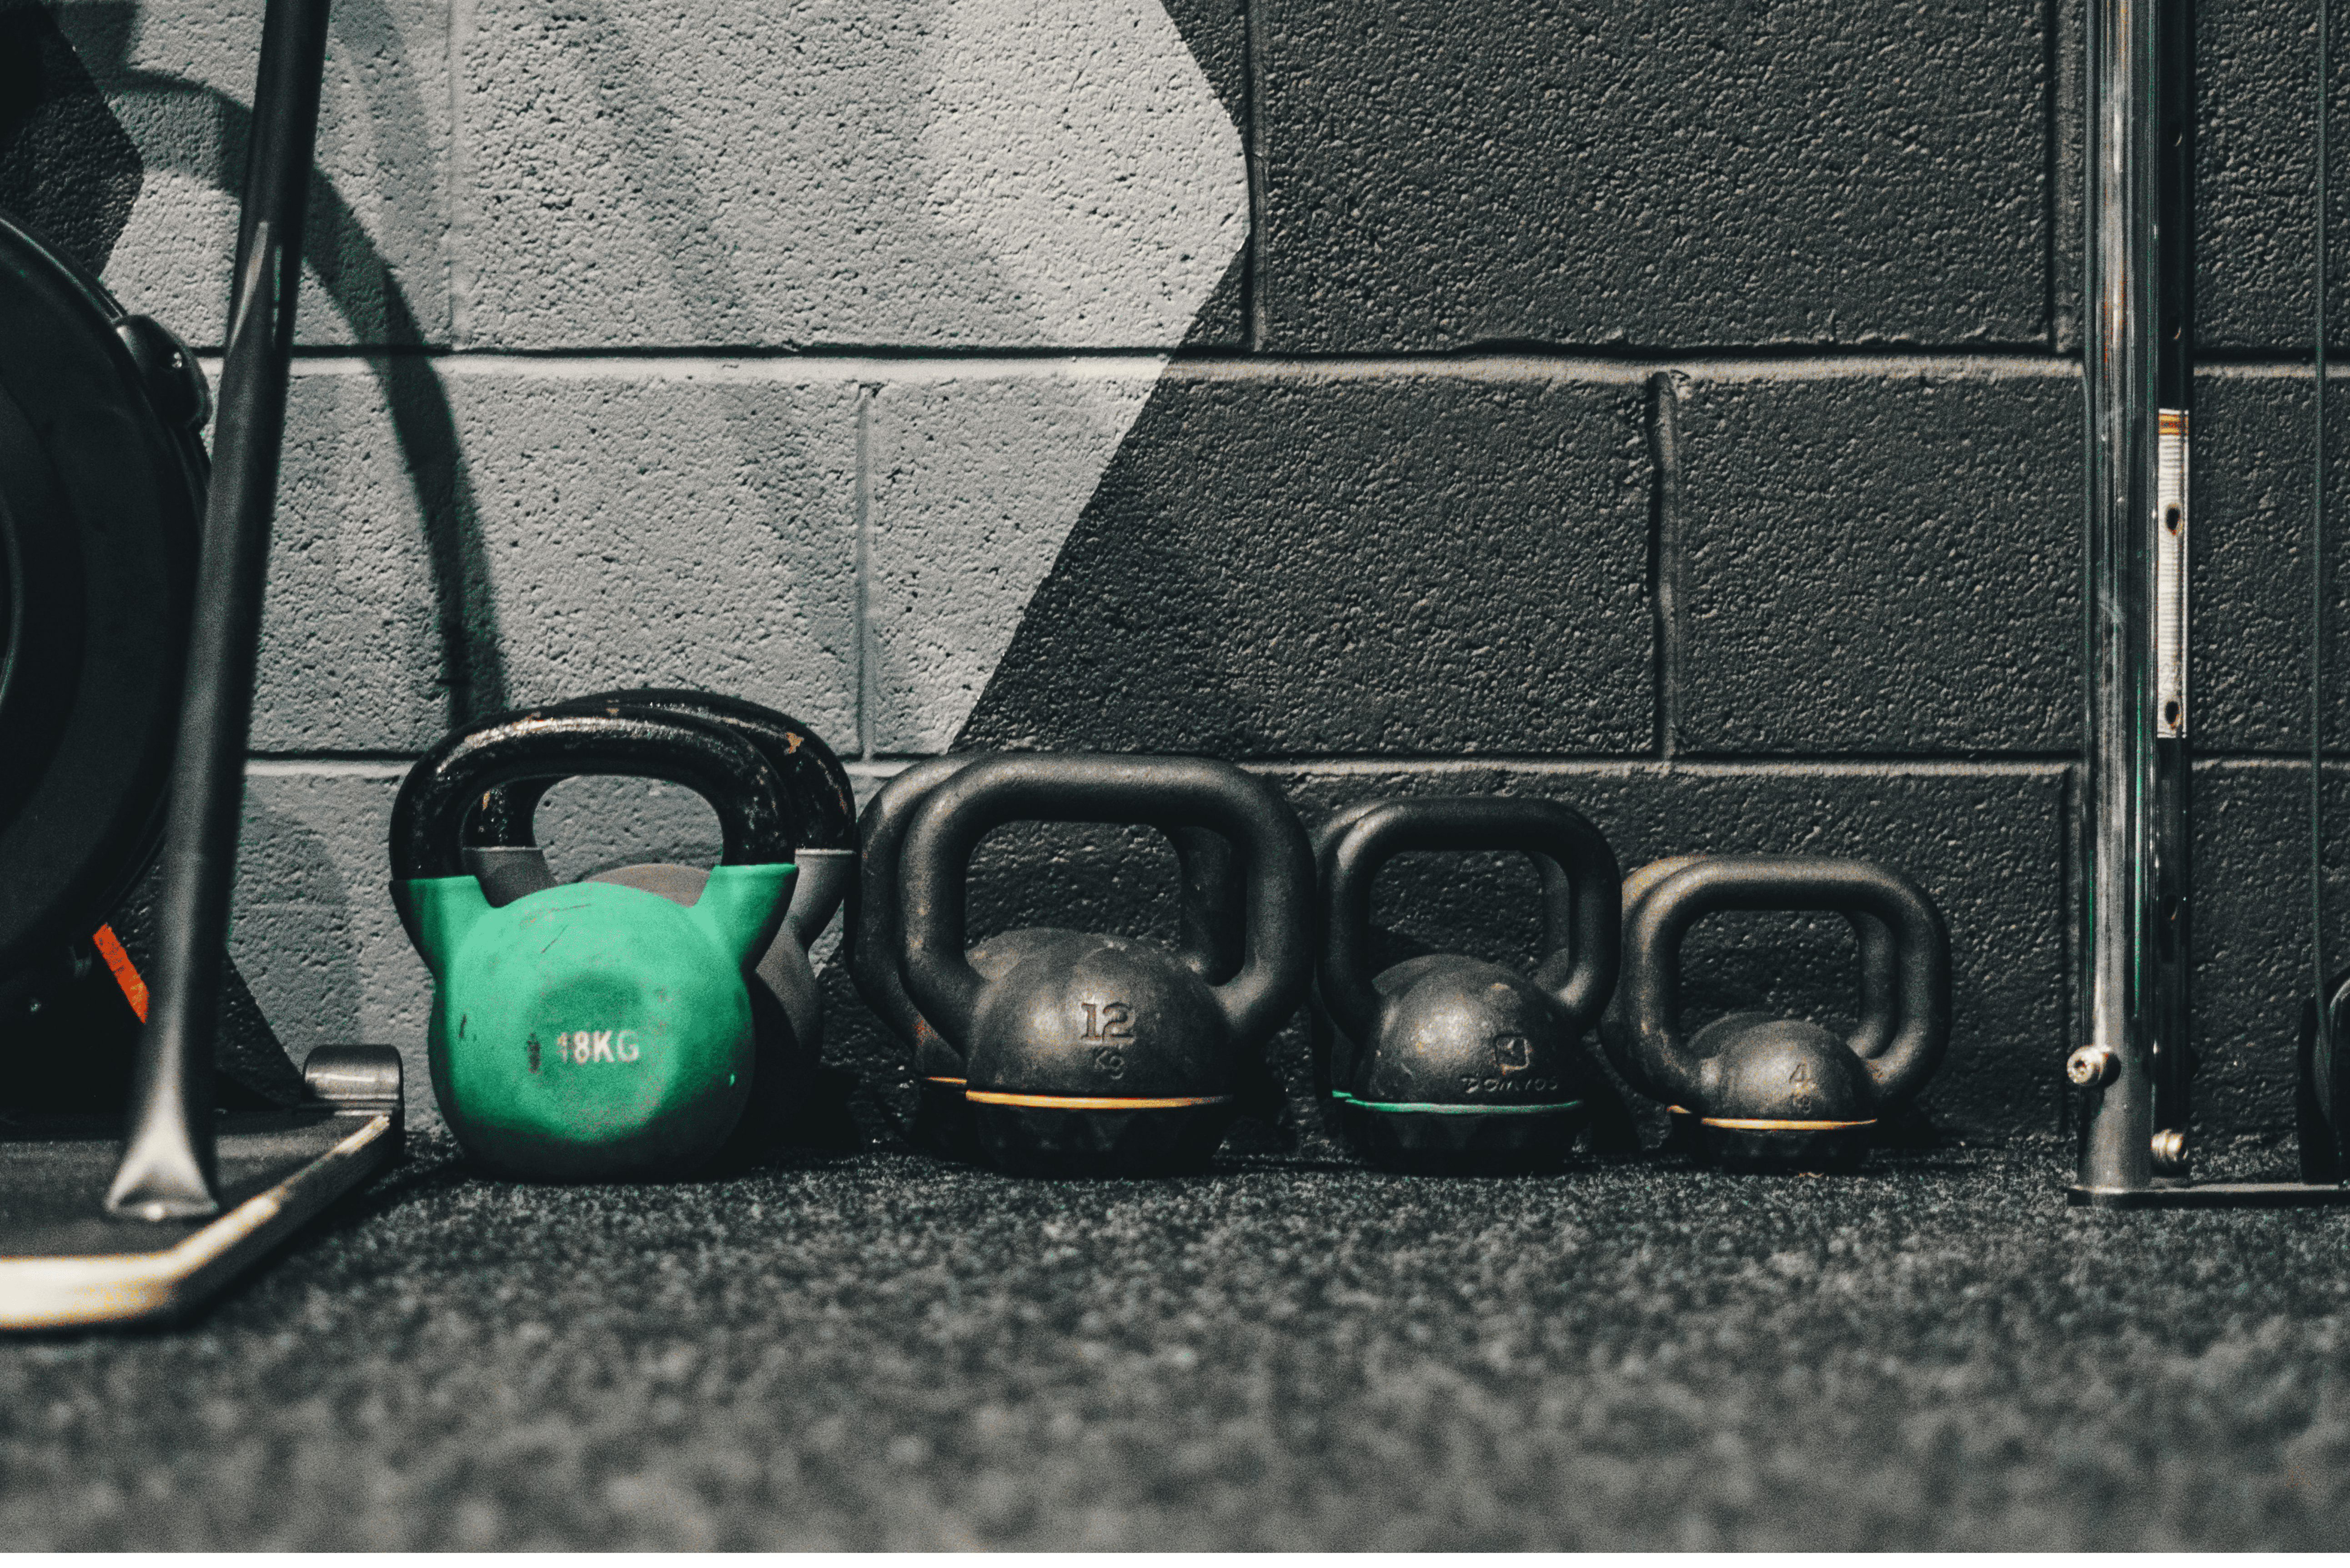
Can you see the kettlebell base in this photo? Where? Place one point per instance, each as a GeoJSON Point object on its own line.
{"type": "Point", "coordinates": [1684, 1132]}
{"type": "Point", "coordinates": [943, 1124]}
{"type": "Point", "coordinates": [1052, 1135]}
{"type": "Point", "coordinates": [1463, 1140]}
{"type": "Point", "coordinates": [1756, 1147]}
{"type": "Point", "coordinates": [539, 1165]}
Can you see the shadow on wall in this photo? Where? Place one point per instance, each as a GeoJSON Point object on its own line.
{"type": "Point", "coordinates": [89, 74]}
{"type": "Point", "coordinates": [657, 163]}
{"type": "Point", "coordinates": [68, 166]}
{"type": "Point", "coordinates": [294, 915]}
{"type": "Point", "coordinates": [67, 162]}
{"type": "Point", "coordinates": [957, 176]}
{"type": "Point", "coordinates": [1095, 210]}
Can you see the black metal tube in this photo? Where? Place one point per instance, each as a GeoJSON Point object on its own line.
{"type": "Point", "coordinates": [167, 1165]}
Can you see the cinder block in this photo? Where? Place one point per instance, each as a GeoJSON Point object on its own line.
{"type": "Point", "coordinates": [917, 173]}
{"type": "Point", "coordinates": [977, 480]}
{"type": "Point", "coordinates": [591, 824]}
{"type": "Point", "coordinates": [1441, 175]}
{"type": "Point", "coordinates": [180, 80]}
{"type": "Point", "coordinates": [67, 168]}
{"type": "Point", "coordinates": [2249, 616]}
{"type": "Point", "coordinates": [1284, 563]}
{"type": "Point", "coordinates": [1880, 561]}
{"type": "Point", "coordinates": [586, 526]}
{"type": "Point", "coordinates": [1216, 32]}
{"type": "Point", "coordinates": [2255, 164]}
{"type": "Point", "coordinates": [2070, 132]}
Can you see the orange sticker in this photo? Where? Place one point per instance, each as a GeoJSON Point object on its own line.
{"type": "Point", "coordinates": [126, 973]}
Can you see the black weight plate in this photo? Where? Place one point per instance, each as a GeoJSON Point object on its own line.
{"type": "Point", "coordinates": [101, 496]}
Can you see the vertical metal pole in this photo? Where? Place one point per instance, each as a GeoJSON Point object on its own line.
{"type": "Point", "coordinates": [2118, 741]}
{"type": "Point", "coordinates": [2168, 1011]}
{"type": "Point", "coordinates": [167, 1166]}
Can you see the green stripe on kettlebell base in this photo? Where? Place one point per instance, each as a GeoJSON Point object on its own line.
{"type": "Point", "coordinates": [1548, 1108]}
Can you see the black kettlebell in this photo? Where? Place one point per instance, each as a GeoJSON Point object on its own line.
{"type": "Point", "coordinates": [2321, 1100]}
{"type": "Point", "coordinates": [1781, 1093]}
{"type": "Point", "coordinates": [593, 1030]}
{"type": "Point", "coordinates": [1446, 1063]}
{"type": "Point", "coordinates": [1872, 1030]}
{"type": "Point", "coordinates": [819, 806]}
{"type": "Point", "coordinates": [1097, 1054]}
{"type": "Point", "coordinates": [1209, 916]}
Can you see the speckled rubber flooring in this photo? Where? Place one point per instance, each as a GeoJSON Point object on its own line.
{"type": "Point", "coordinates": [881, 1351]}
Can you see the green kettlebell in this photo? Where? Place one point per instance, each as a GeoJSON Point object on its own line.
{"type": "Point", "coordinates": [819, 806]}
{"type": "Point", "coordinates": [593, 1031]}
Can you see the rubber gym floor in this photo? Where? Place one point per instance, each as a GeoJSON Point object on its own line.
{"type": "Point", "coordinates": [880, 1350]}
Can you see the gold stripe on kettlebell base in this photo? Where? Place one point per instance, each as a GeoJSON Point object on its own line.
{"type": "Point", "coordinates": [1087, 1103]}
{"type": "Point", "coordinates": [1739, 1124]}
{"type": "Point", "coordinates": [953, 1082]}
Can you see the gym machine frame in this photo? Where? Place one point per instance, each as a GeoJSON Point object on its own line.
{"type": "Point", "coordinates": [2134, 1062]}
{"type": "Point", "coordinates": [159, 1242]}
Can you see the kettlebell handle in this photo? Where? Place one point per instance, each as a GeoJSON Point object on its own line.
{"type": "Point", "coordinates": [871, 932]}
{"type": "Point", "coordinates": [451, 780]}
{"type": "Point", "coordinates": [1582, 888]}
{"type": "Point", "coordinates": [1074, 786]}
{"type": "Point", "coordinates": [1206, 941]}
{"type": "Point", "coordinates": [818, 799]}
{"type": "Point", "coordinates": [1879, 1016]}
{"type": "Point", "coordinates": [1911, 943]}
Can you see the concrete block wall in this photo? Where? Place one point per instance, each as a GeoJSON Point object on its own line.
{"type": "Point", "coordinates": [1672, 408]}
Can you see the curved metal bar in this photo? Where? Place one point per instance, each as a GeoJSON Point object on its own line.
{"type": "Point", "coordinates": [167, 1166]}
{"type": "Point", "coordinates": [1879, 961]}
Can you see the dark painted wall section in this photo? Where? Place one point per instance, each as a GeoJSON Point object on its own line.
{"type": "Point", "coordinates": [1422, 565]}
{"type": "Point", "coordinates": [1710, 173]}
{"type": "Point", "coordinates": [66, 165]}
{"type": "Point", "coordinates": [1757, 526]}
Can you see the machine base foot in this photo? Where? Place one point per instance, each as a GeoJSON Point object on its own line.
{"type": "Point", "coordinates": [65, 1263]}
{"type": "Point", "coordinates": [2212, 1195]}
